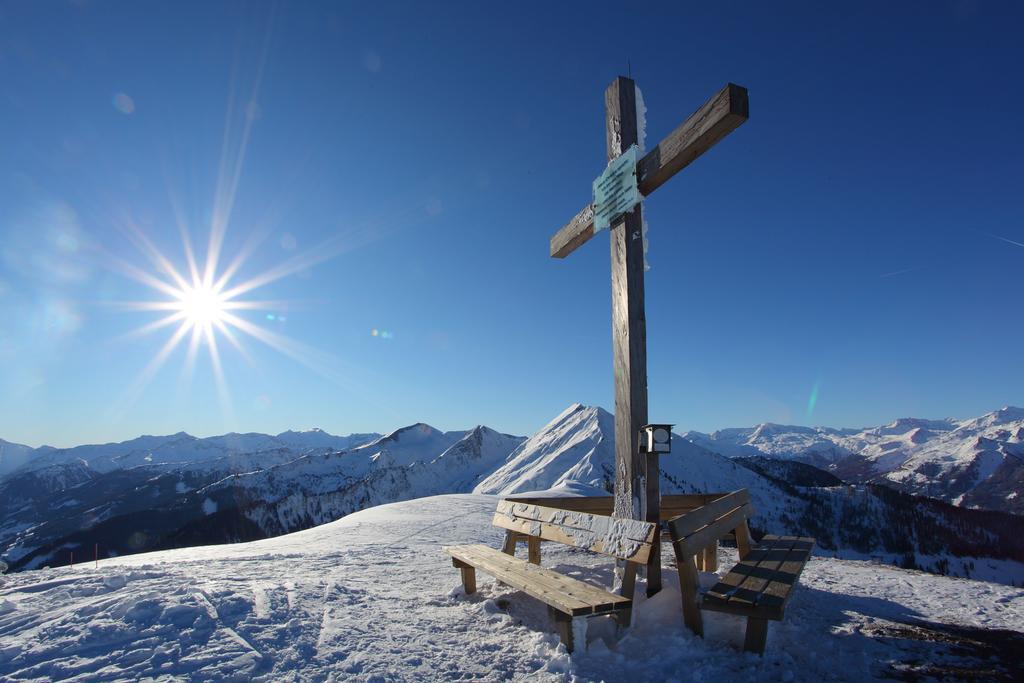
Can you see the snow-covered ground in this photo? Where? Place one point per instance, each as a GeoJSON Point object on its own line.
{"type": "Point", "coordinates": [372, 597]}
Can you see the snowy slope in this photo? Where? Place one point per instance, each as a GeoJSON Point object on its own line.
{"type": "Point", "coordinates": [977, 462]}
{"type": "Point", "coordinates": [371, 597]}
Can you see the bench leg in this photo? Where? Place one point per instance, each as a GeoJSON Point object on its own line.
{"type": "Point", "coordinates": [468, 576]}
{"type": "Point", "coordinates": [743, 540]}
{"type": "Point", "coordinates": [563, 622]}
{"type": "Point", "coordinates": [688, 589]}
{"type": "Point", "coordinates": [757, 635]}
{"type": "Point", "coordinates": [654, 569]}
{"type": "Point", "coordinates": [570, 629]}
{"type": "Point", "coordinates": [711, 557]}
{"type": "Point", "coordinates": [509, 546]}
{"type": "Point", "coordinates": [468, 579]}
{"type": "Point", "coordinates": [628, 577]}
{"type": "Point", "coordinates": [533, 548]}
{"type": "Point", "coordinates": [623, 619]}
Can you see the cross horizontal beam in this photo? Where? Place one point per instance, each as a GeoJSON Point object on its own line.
{"type": "Point", "coordinates": [718, 117]}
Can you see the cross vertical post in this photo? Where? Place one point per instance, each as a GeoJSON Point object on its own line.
{"type": "Point", "coordinates": [637, 476]}
{"type": "Point", "coordinates": [629, 322]}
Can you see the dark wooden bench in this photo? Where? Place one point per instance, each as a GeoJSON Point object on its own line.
{"type": "Point", "coordinates": [758, 587]}
{"type": "Point", "coordinates": [570, 601]}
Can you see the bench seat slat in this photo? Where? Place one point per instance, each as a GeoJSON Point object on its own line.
{"type": "Point", "coordinates": [759, 576]}
{"type": "Point", "coordinates": [762, 583]}
{"type": "Point", "coordinates": [542, 587]}
{"type": "Point", "coordinates": [779, 589]}
{"type": "Point", "coordinates": [565, 593]}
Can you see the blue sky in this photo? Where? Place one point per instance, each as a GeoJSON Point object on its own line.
{"type": "Point", "coordinates": [859, 239]}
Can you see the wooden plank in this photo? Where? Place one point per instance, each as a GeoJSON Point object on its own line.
{"type": "Point", "coordinates": [677, 504]}
{"type": "Point", "coordinates": [671, 505]}
{"type": "Point", "coordinates": [629, 322]}
{"type": "Point", "coordinates": [762, 584]}
{"type": "Point", "coordinates": [761, 561]}
{"type": "Point", "coordinates": [749, 592]}
{"type": "Point", "coordinates": [565, 593]}
{"type": "Point", "coordinates": [723, 113]}
{"type": "Point", "coordinates": [574, 234]}
{"type": "Point", "coordinates": [694, 542]}
{"type": "Point", "coordinates": [553, 593]}
{"type": "Point", "coordinates": [725, 587]}
{"type": "Point", "coordinates": [779, 590]}
{"type": "Point", "coordinates": [715, 119]}
{"type": "Point", "coordinates": [684, 525]}
{"type": "Point", "coordinates": [626, 539]}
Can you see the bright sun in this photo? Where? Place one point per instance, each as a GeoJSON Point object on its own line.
{"type": "Point", "coordinates": [202, 306]}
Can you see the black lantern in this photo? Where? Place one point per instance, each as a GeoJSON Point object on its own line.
{"type": "Point", "coordinates": [656, 438]}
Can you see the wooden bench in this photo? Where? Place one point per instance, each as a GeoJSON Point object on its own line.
{"type": "Point", "coordinates": [758, 587]}
{"type": "Point", "coordinates": [672, 505]}
{"type": "Point", "coordinates": [570, 601]}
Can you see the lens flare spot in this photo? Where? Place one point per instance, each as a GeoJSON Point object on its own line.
{"type": "Point", "coordinates": [124, 104]}
{"type": "Point", "coordinates": [812, 400]}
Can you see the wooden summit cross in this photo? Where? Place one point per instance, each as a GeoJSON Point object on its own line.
{"type": "Point", "coordinates": [637, 494]}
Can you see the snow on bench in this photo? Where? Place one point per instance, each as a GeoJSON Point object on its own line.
{"type": "Point", "coordinates": [569, 600]}
{"type": "Point", "coordinates": [758, 587]}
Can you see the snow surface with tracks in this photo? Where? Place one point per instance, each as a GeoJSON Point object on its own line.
{"type": "Point", "coordinates": [372, 597]}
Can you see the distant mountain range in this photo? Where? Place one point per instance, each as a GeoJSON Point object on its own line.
{"type": "Point", "coordinates": [977, 463]}
{"type": "Point", "coordinates": [179, 490]}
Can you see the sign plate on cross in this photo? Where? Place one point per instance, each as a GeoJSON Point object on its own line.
{"type": "Point", "coordinates": [616, 190]}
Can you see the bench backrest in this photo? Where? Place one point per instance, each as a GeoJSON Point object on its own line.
{"type": "Point", "coordinates": [626, 539]}
{"type": "Point", "coordinates": [694, 530]}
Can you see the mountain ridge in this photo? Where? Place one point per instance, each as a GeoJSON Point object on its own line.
{"type": "Point", "coordinates": [130, 504]}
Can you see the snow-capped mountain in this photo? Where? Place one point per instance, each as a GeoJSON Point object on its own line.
{"type": "Point", "coordinates": [976, 463]}
{"type": "Point", "coordinates": [225, 493]}
{"type": "Point", "coordinates": [578, 446]}
{"type": "Point", "coordinates": [173, 451]}
{"type": "Point", "coordinates": [112, 499]}
{"type": "Point", "coordinates": [13, 456]}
